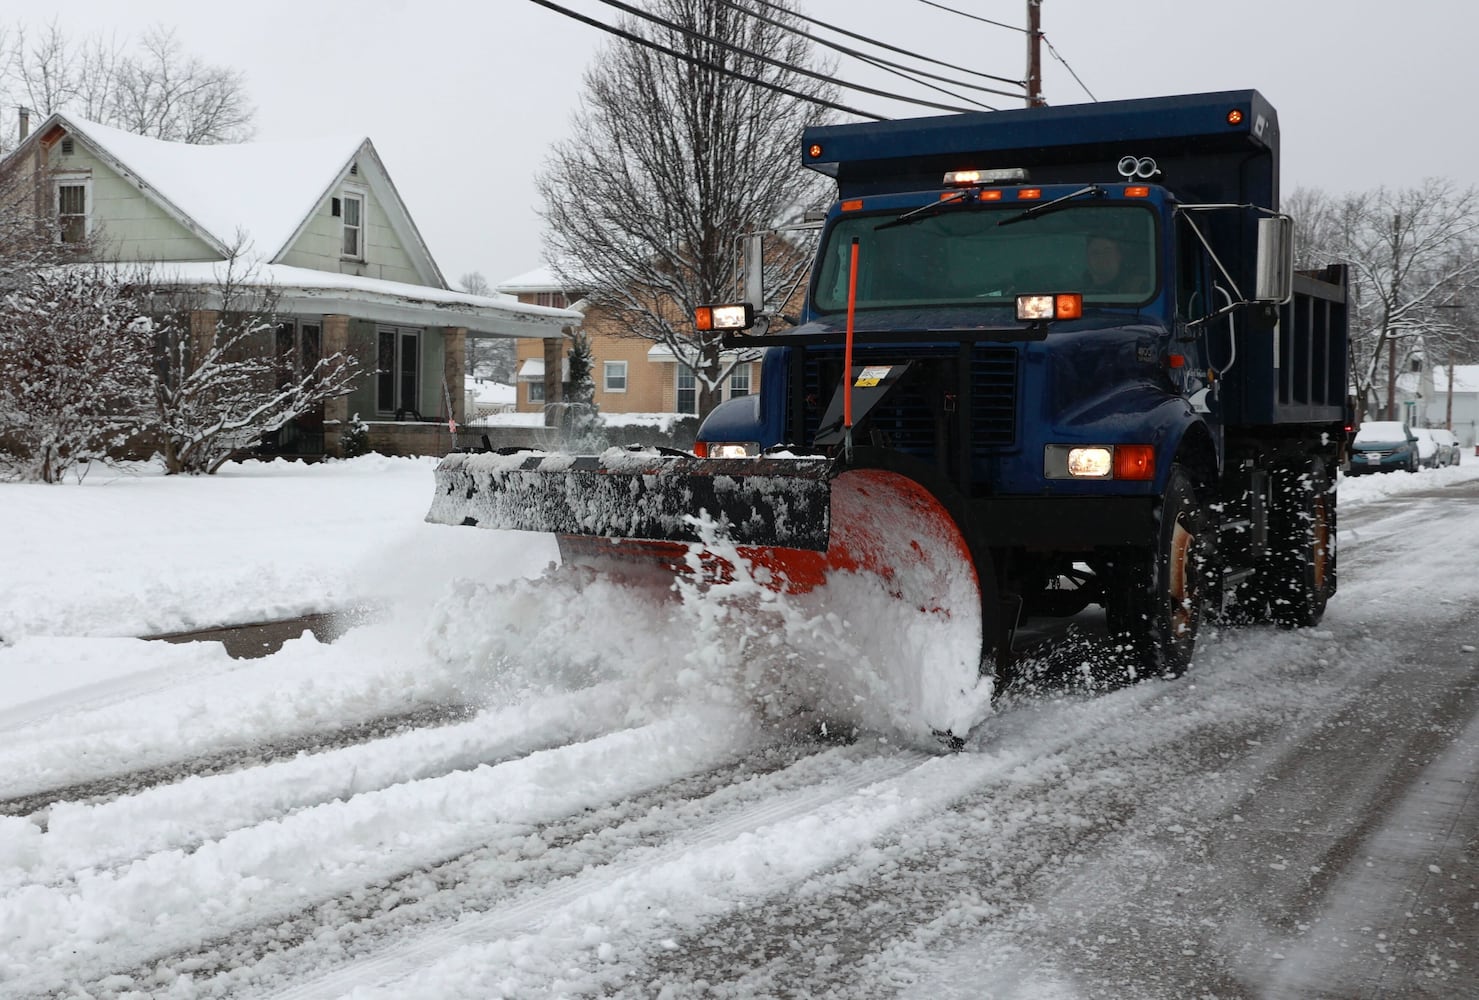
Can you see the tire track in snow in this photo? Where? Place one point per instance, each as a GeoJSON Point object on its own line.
{"type": "Point", "coordinates": [1022, 834]}
{"type": "Point", "coordinates": [516, 863]}
{"type": "Point", "coordinates": [158, 904]}
{"type": "Point", "coordinates": [186, 814]}
{"type": "Point", "coordinates": [625, 872]}
{"type": "Point", "coordinates": [115, 786]}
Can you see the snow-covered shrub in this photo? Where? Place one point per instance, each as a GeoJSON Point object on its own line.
{"type": "Point", "coordinates": [73, 370]}
{"type": "Point", "coordinates": [354, 439]}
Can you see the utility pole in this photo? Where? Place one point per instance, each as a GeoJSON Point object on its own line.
{"type": "Point", "coordinates": [1034, 54]}
{"type": "Point", "coordinates": [1390, 330]}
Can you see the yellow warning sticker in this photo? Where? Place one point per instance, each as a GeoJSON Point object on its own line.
{"type": "Point", "coordinates": [872, 376]}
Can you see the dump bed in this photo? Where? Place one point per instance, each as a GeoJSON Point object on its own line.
{"type": "Point", "coordinates": [1296, 372]}
{"type": "Point", "coordinates": [1212, 148]}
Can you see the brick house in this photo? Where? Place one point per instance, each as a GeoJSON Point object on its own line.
{"type": "Point", "coordinates": [632, 374]}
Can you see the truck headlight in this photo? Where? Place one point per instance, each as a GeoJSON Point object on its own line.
{"type": "Point", "coordinates": [1040, 308]}
{"type": "Point", "coordinates": [1099, 461]}
{"type": "Point", "coordinates": [1090, 463]}
{"type": "Point", "coordinates": [737, 316]}
{"type": "Point", "coordinates": [726, 449]}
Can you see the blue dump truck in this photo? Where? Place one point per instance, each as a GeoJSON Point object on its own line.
{"type": "Point", "coordinates": [1059, 351]}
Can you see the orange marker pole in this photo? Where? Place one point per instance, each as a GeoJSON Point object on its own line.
{"type": "Point", "coordinates": [852, 303]}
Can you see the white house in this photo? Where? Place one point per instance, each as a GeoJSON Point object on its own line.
{"type": "Point", "coordinates": [1427, 396]}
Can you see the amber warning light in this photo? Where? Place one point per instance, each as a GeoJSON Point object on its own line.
{"type": "Point", "coordinates": [1235, 116]}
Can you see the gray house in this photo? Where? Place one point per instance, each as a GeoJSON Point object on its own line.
{"type": "Point", "coordinates": [317, 221]}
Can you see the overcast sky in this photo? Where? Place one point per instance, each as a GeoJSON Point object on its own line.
{"type": "Point", "coordinates": [463, 99]}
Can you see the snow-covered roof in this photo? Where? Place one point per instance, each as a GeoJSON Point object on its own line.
{"type": "Point", "coordinates": [262, 189]}
{"type": "Point", "coordinates": [664, 353]}
{"type": "Point", "coordinates": [1465, 378]}
{"type": "Point", "coordinates": [304, 289]}
{"type": "Point", "coordinates": [541, 279]}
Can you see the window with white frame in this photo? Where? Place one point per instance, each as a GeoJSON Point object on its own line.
{"type": "Point", "coordinates": [687, 400]}
{"type": "Point", "coordinates": [615, 376]}
{"type": "Point", "coordinates": [739, 381]}
{"type": "Point", "coordinates": [352, 224]}
{"type": "Point", "coordinates": [73, 197]}
{"type": "Point", "coordinates": [398, 371]}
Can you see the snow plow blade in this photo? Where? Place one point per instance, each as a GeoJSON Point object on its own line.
{"type": "Point", "coordinates": [639, 495]}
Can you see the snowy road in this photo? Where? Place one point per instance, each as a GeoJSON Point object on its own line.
{"type": "Point", "coordinates": [468, 799]}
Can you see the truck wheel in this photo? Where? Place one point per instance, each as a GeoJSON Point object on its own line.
{"type": "Point", "coordinates": [1301, 558]}
{"type": "Point", "coordinates": [1158, 598]}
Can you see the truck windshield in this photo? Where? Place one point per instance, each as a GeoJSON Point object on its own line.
{"type": "Point", "coordinates": [961, 256]}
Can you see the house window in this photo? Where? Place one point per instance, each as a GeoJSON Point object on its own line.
{"type": "Point", "coordinates": [71, 209]}
{"type": "Point", "coordinates": [739, 381]}
{"type": "Point", "coordinates": [299, 347]}
{"type": "Point", "coordinates": [687, 391]}
{"type": "Point", "coordinates": [536, 391]}
{"type": "Point", "coordinates": [352, 220]}
{"type": "Point", "coordinates": [615, 376]}
{"type": "Point", "coordinates": [398, 371]}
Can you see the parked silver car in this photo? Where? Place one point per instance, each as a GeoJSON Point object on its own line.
{"type": "Point", "coordinates": [1427, 448]}
{"type": "Point", "coordinates": [1450, 452]}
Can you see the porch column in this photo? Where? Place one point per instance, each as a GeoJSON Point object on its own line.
{"type": "Point", "coordinates": [454, 371]}
{"type": "Point", "coordinates": [554, 389]}
{"type": "Point", "coordinates": [202, 334]}
{"type": "Point", "coordinates": [335, 333]}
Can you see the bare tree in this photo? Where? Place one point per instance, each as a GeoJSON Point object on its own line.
{"type": "Point", "coordinates": [162, 92]}
{"type": "Point", "coordinates": [672, 159]}
{"type": "Point", "coordinates": [1414, 254]}
{"type": "Point", "coordinates": [217, 389]}
{"type": "Point", "coordinates": [487, 357]}
{"type": "Point", "coordinates": [155, 90]}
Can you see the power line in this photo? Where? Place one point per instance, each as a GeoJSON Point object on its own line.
{"type": "Point", "coordinates": [1068, 67]}
{"type": "Point", "coordinates": [974, 17]}
{"type": "Point", "coordinates": [692, 33]}
{"type": "Point", "coordinates": [907, 72]}
{"type": "Point", "coordinates": [893, 48]}
{"type": "Point", "coordinates": [695, 60]}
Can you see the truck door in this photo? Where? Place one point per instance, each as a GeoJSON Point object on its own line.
{"type": "Point", "coordinates": [1203, 343]}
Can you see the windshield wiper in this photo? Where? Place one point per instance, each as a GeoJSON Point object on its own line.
{"type": "Point", "coordinates": [1093, 189]}
{"type": "Point", "coordinates": [923, 211]}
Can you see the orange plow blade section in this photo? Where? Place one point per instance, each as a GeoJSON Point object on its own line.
{"type": "Point", "coordinates": [882, 524]}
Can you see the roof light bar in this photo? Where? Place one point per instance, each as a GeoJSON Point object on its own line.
{"type": "Point", "coordinates": [970, 178]}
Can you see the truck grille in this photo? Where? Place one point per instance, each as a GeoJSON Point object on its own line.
{"type": "Point", "coordinates": [916, 418]}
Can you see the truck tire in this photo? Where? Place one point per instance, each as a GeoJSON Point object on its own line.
{"type": "Point", "coordinates": [1300, 566]}
{"type": "Point", "coordinates": [1157, 598]}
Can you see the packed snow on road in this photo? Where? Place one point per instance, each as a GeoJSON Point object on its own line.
{"type": "Point", "coordinates": [506, 779]}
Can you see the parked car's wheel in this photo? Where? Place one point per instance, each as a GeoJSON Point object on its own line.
{"type": "Point", "coordinates": [1156, 599]}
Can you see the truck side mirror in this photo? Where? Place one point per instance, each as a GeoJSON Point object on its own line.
{"type": "Point", "coordinates": [754, 270]}
{"type": "Point", "coordinates": [1274, 282]}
